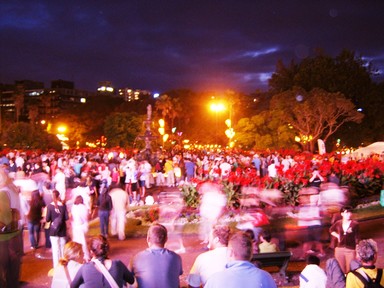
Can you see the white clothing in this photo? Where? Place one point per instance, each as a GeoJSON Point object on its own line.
{"type": "Point", "coordinates": [206, 264]}
{"type": "Point", "coordinates": [59, 279]}
{"type": "Point", "coordinates": [272, 172]}
{"type": "Point", "coordinates": [57, 249]}
{"type": "Point", "coordinates": [80, 226]}
{"type": "Point", "coordinates": [225, 169]}
{"type": "Point", "coordinates": [84, 192]}
{"type": "Point", "coordinates": [313, 276]}
{"type": "Point", "coordinates": [59, 180]}
{"type": "Point", "coordinates": [120, 204]}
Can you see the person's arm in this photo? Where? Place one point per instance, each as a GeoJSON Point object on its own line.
{"type": "Point", "coordinates": [334, 232]}
{"type": "Point", "coordinates": [78, 280]}
{"type": "Point", "coordinates": [127, 275]}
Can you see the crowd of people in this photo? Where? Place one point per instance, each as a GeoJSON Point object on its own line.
{"type": "Point", "coordinates": [50, 190]}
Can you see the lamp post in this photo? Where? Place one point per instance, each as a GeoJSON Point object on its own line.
{"type": "Point", "coordinates": [217, 107]}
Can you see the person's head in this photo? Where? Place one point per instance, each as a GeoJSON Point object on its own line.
{"type": "Point", "coordinates": [313, 259]}
{"type": "Point", "coordinates": [240, 247]}
{"type": "Point", "coordinates": [219, 236]}
{"type": "Point", "coordinates": [346, 212]}
{"type": "Point", "coordinates": [78, 200]}
{"type": "Point", "coordinates": [250, 233]}
{"type": "Point", "coordinates": [265, 236]}
{"type": "Point", "coordinates": [366, 251]}
{"type": "Point", "coordinates": [99, 247]}
{"type": "Point", "coordinates": [72, 251]}
{"type": "Point", "coordinates": [157, 235]}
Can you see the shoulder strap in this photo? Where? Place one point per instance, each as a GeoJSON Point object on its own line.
{"type": "Point", "coordinates": [67, 275]}
{"type": "Point", "coordinates": [361, 278]}
{"type": "Point", "coordinates": [106, 273]}
{"type": "Point", "coordinates": [379, 275]}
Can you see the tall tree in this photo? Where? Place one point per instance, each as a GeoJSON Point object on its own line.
{"type": "Point", "coordinates": [316, 114]}
{"type": "Point", "coordinates": [27, 136]}
{"type": "Point", "coordinates": [264, 131]}
{"type": "Point", "coordinates": [121, 129]}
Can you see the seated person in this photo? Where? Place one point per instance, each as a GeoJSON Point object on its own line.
{"type": "Point", "coordinates": [366, 252]}
{"type": "Point", "coordinates": [266, 246]}
{"type": "Point", "coordinates": [312, 275]}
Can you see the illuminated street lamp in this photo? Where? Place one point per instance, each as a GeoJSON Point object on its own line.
{"type": "Point", "coordinates": [217, 107]}
{"type": "Point", "coordinates": [61, 136]}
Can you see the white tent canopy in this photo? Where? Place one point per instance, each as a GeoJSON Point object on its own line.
{"type": "Point", "coordinates": [364, 152]}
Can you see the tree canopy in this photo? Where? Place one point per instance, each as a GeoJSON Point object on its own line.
{"type": "Point", "coordinates": [29, 136]}
{"type": "Point", "coordinates": [316, 114]}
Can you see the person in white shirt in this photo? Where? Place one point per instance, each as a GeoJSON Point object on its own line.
{"type": "Point", "coordinates": [313, 276]}
{"type": "Point", "coordinates": [80, 226]}
{"type": "Point", "coordinates": [120, 204]}
{"type": "Point", "coordinates": [210, 262]}
{"type": "Point", "coordinates": [272, 172]}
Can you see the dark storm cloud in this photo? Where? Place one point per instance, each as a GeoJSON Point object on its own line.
{"type": "Point", "coordinates": [161, 45]}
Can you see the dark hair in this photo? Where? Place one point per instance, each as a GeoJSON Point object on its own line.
{"type": "Point", "coordinates": [158, 234]}
{"type": "Point", "coordinates": [99, 246]}
{"type": "Point", "coordinates": [250, 233]}
{"type": "Point", "coordinates": [313, 259]}
{"type": "Point", "coordinates": [78, 200]}
{"type": "Point", "coordinates": [266, 235]}
{"type": "Point", "coordinates": [346, 208]}
{"type": "Point", "coordinates": [241, 246]}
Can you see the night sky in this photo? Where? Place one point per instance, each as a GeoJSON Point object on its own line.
{"type": "Point", "coordinates": [161, 45]}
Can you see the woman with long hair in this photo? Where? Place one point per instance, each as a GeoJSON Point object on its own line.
{"type": "Point", "coordinates": [34, 218]}
{"type": "Point", "coordinates": [57, 233]}
{"type": "Point", "coordinates": [80, 224]}
{"type": "Point", "coordinates": [101, 271]}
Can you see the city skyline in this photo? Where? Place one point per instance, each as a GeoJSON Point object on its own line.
{"type": "Point", "coordinates": [164, 45]}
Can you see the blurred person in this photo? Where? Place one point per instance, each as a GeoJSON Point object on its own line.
{"type": "Point", "coordinates": [367, 253]}
{"type": "Point", "coordinates": [156, 266]}
{"type": "Point", "coordinates": [11, 235]}
{"type": "Point", "coordinates": [309, 216]}
{"type": "Point", "coordinates": [120, 204]}
{"type": "Point", "coordinates": [255, 242]}
{"type": "Point", "coordinates": [168, 170]}
{"type": "Point", "coordinates": [346, 231]}
{"type": "Point", "coordinates": [212, 261]}
{"type": "Point", "coordinates": [68, 266]}
{"type": "Point", "coordinates": [316, 179]}
{"type": "Point", "coordinates": [83, 190]}
{"type": "Point", "coordinates": [57, 209]}
{"type": "Point", "coordinates": [272, 171]}
{"type": "Point", "coordinates": [170, 207]}
{"type": "Point", "coordinates": [90, 274]}
{"type": "Point", "coordinates": [104, 204]}
{"type": "Point", "coordinates": [335, 276]}
{"type": "Point", "coordinates": [312, 275]}
{"type": "Point", "coordinates": [59, 183]}
{"type": "Point", "coordinates": [34, 217]}
{"type": "Point", "coordinates": [212, 204]}
{"type": "Point", "coordinates": [190, 169]}
{"type": "Point", "coordinates": [240, 272]}
{"type": "Point", "coordinates": [159, 169]}
{"type": "Point", "coordinates": [80, 224]}
{"type": "Point", "coordinates": [266, 246]}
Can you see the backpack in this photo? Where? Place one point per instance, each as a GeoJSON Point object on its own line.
{"type": "Point", "coordinates": [57, 223]}
{"type": "Point", "coordinates": [368, 283]}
